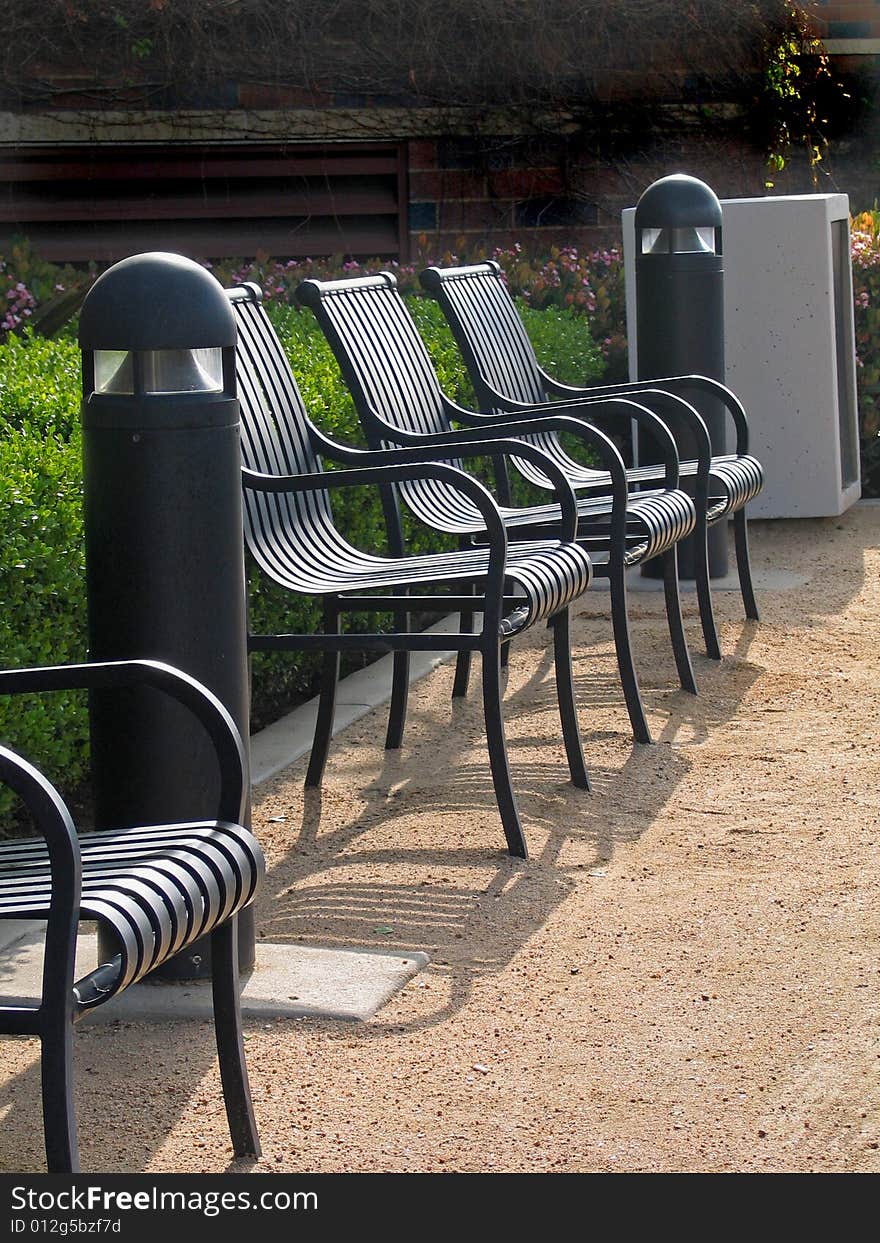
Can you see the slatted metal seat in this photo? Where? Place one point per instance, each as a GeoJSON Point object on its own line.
{"type": "Point", "coordinates": [153, 890]}
{"type": "Point", "coordinates": [290, 531]}
{"type": "Point", "coordinates": [507, 377]}
{"type": "Point", "coordinates": [399, 401]}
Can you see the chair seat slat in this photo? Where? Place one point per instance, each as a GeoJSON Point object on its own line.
{"type": "Point", "coordinates": [156, 890]}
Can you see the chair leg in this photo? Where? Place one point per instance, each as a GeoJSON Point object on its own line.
{"type": "Point", "coordinates": [623, 646]}
{"type": "Point", "coordinates": [574, 751]}
{"type": "Point", "coordinates": [59, 1119]}
{"type": "Point", "coordinates": [326, 707]}
{"type": "Point", "coordinates": [516, 842]}
{"type": "Point", "coordinates": [704, 589]}
{"type": "Point", "coordinates": [463, 659]}
{"type": "Point", "coordinates": [399, 690]}
{"type": "Point", "coordinates": [676, 625]}
{"type": "Point", "coordinates": [230, 1046]}
{"type": "Point", "coordinates": [324, 723]}
{"type": "Point", "coordinates": [399, 697]}
{"type": "Point", "coordinates": [744, 565]}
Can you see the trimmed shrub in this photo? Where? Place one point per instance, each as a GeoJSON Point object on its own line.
{"type": "Point", "coordinates": [42, 585]}
{"type": "Point", "coordinates": [42, 577]}
{"type": "Point", "coordinates": [42, 582]}
{"type": "Point", "coordinates": [40, 385]}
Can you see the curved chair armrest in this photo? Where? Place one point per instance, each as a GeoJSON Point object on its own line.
{"type": "Point", "coordinates": [652, 397]}
{"type": "Point", "coordinates": [115, 675]}
{"type": "Point", "coordinates": [495, 429]}
{"type": "Point", "coordinates": [426, 449]}
{"type": "Point", "coordinates": [650, 389]}
{"type": "Point", "coordinates": [382, 474]}
{"type": "Point", "coordinates": [670, 384]}
{"type": "Point", "coordinates": [519, 418]}
{"type": "Point", "coordinates": [53, 822]}
{"type": "Point", "coordinates": [496, 437]}
{"type": "Point", "coordinates": [621, 408]}
{"type": "Point", "coordinates": [416, 448]}
{"type": "Point", "coordinates": [497, 434]}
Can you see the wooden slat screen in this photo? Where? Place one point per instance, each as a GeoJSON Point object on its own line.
{"type": "Point", "coordinates": [104, 202]}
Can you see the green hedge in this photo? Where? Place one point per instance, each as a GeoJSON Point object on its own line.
{"type": "Point", "coordinates": [43, 620]}
{"type": "Point", "coordinates": [42, 562]}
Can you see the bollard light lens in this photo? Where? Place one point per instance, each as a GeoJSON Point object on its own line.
{"type": "Point", "coordinates": [678, 241]}
{"type": "Point", "coordinates": [183, 371]}
{"type": "Point", "coordinates": [655, 241]}
{"type": "Point", "coordinates": [689, 241]}
{"type": "Point", "coordinates": [159, 371]}
{"type": "Point", "coordinates": [113, 371]}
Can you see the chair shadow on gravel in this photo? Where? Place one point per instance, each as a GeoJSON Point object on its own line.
{"type": "Point", "coordinates": [124, 1115]}
{"type": "Point", "coordinates": [469, 905]}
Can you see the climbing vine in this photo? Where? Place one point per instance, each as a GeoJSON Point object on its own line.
{"type": "Point", "coordinates": [798, 89]}
{"type": "Point", "coordinates": [549, 53]}
{"type": "Point", "coordinates": [579, 70]}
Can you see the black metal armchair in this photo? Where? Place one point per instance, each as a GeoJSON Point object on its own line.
{"type": "Point", "coordinates": [153, 890]}
{"type": "Point", "coordinates": [507, 378]}
{"type": "Point", "coordinates": [400, 402]}
{"type": "Point", "coordinates": [290, 530]}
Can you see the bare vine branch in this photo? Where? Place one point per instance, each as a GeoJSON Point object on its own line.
{"type": "Point", "coordinates": [546, 53]}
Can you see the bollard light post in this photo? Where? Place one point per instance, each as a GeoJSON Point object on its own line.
{"type": "Point", "coordinates": [163, 534]}
{"type": "Point", "coordinates": [679, 271]}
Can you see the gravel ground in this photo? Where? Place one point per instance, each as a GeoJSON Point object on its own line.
{"type": "Point", "coordinates": [683, 977]}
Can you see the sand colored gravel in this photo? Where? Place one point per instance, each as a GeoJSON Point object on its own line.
{"type": "Point", "coordinates": [684, 976]}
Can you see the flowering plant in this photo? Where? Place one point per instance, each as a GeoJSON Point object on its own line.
{"type": "Point", "coordinates": [18, 304]}
{"type": "Point", "coordinates": [589, 283]}
{"type": "Point", "coordinates": [865, 250]}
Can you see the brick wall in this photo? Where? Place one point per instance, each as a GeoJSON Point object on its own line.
{"type": "Point", "coordinates": [493, 191]}
{"type": "Point", "coordinates": [488, 193]}
{"type": "Point", "coordinates": [467, 194]}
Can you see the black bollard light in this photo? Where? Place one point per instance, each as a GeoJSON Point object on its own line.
{"type": "Point", "coordinates": [163, 534]}
{"type": "Point", "coordinates": [679, 270]}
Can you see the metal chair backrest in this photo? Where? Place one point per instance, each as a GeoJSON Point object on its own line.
{"type": "Point", "coordinates": [283, 529]}
{"type": "Point", "coordinates": [389, 371]}
{"type": "Point", "coordinates": [381, 355]}
{"type": "Point", "coordinates": [488, 329]}
{"type": "Point", "coordinates": [494, 343]}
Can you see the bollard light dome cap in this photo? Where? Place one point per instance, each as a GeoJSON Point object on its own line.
{"type": "Point", "coordinates": [678, 202]}
{"type": "Point", "coordinates": [156, 301]}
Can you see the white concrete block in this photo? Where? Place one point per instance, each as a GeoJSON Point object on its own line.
{"type": "Point", "coordinates": [789, 346]}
